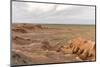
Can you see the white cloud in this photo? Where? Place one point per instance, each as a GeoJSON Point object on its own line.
{"type": "Point", "coordinates": [41, 7]}
{"type": "Point", "coordinates": [62, 7]}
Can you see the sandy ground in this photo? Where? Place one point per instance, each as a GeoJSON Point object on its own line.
{"type": "Point", "coordinates": [41, 44]}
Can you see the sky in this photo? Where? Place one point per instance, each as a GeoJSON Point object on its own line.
{"type": "Point", "coordinates": [29, 12]}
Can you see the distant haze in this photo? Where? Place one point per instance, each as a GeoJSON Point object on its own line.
{"type": "Point", "coordinates": [27, 12]}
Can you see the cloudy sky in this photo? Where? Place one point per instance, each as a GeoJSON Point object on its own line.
{"type": "Point", "coordinates": [28, 12]}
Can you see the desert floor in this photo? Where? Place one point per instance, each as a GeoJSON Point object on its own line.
{"type": "Point", "coordinates": [52, 43]}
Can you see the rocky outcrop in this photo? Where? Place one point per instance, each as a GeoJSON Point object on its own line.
{"type": "Point", "coordinates": [85, 49]}
{"type": "Point", "coordinates": [21, 41]}
{"type": "Point", "coordinates": [19, 58]}
{"type": "Point", "coordinates": [24, 27]}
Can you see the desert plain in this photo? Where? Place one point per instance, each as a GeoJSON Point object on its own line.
{"type": "Point", "coordinates": [52, 43]}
